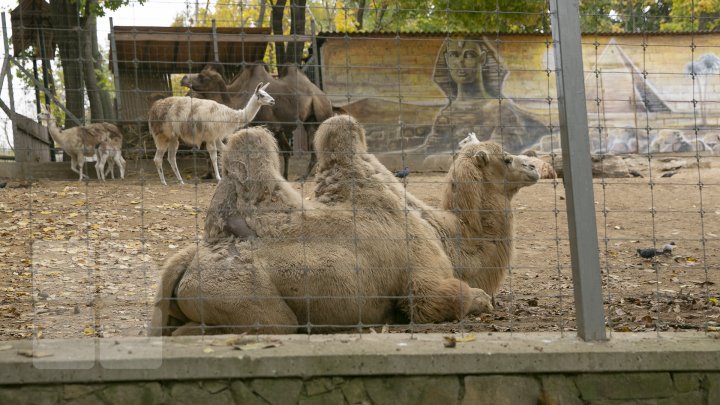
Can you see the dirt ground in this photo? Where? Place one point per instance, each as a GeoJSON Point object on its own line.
{"type": "Point", "coordinates": [83, 259]}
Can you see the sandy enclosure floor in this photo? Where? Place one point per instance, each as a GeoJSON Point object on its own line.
{"type": "Point", "coordinates": [83, 259]}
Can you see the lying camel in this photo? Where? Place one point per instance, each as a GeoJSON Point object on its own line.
{"type": "Point", "coordinates": [275, 263]}
{"type": "Point", "coordinates": [475, 222]}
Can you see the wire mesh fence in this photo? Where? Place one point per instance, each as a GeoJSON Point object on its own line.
{"type": "Point", "coordinates": [403, 218]}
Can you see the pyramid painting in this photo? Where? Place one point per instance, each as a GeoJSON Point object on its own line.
{"type": "Point", "coordinates": [620, 85]}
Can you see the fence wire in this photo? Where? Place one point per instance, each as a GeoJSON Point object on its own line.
{"type": "Point", "coordinates": [401, 221]}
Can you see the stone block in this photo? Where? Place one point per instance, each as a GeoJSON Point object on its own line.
{"type": "Point", "coordinates": [413, 390]}
{"type": "Point", "coordinates": [132, 393]}
{"type": "Point", "coordinates": [560, 389]}
{"type": "Point", "coordinates": [244, 395]}
{"type": "Point", "coordinates": [354, 391]}
{"type": "Point", "coordinates": [712, 387]}
{"type": "Point", "coordinates": [332, 397]}
{"type": "Point", "coordinates": [73, 391]}
{"type": "Point", "coordinates": [278, 391]}
{"type": "Point", "coordinates": [689, 398]}
{"type": "Point", "coordinates": [318, 386]}
{"type": "Point", "coordinates": [625, 386]}
{"type": "Point", "coordinates": [30, 394]}
{"type": "Point", "coordinates": [686, 382]}
{"type": "Point", "coordinates": [195, 393]}
{"type": "Point", "coordinates": [501, 390]}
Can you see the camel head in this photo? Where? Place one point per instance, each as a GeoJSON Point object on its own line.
{"type": "Point", "coordinates": [339, 140]}
{"type": "Point", "coordinates": [209, 80]}
{"type": "Point", "coordinates": [262, 96]}
{"type": "Point", "coordinates": [488, 163]}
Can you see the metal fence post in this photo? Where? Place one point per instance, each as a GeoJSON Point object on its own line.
{"type": "Point", "coordinates": [577, 169]}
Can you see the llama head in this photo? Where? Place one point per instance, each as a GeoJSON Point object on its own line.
{"type": "Point", "coordinates": [263, 97]}
{"type": "Point", "coordinates": [44, 115]}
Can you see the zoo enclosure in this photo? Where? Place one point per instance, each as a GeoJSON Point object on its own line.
{"type": "Point", "coordinates": [565, 45]}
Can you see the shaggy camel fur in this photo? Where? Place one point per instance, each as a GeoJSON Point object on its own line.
{"type": "Point", "coordinates": [196, 121]}
{"type": "Point", "coordinates": [475, 222]}
{"type": "Point", "coordinates": [298, 101]}
{"type": "Point", "coordinates": [274, 263]}
{"type": "Point", "coordinates": [84, 143]}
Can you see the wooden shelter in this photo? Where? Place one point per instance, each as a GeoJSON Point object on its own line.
{"type": "Point", "coordinates": [144, 58]}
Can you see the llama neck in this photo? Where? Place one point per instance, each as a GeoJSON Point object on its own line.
{"type": "Point", "coordinates": [55, 132]}
{"type": "Point", "coordinates": [251, 109]}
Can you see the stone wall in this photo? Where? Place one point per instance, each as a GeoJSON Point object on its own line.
{"type": "Point", "coordinates": [588, 388]}
{"type": "Point", "coordinates": [393, 369]}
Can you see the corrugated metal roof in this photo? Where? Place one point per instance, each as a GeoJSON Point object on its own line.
{"type": "Point", "coordinates": [336, 34]}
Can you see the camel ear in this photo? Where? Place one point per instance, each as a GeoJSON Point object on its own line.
{"type": "Point", "coordinates": [481, 158]}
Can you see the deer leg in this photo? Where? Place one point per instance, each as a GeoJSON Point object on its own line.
{"type": "Point", "coordinates": [121, 163]}
{"type": "Point", "coordinates": [172, 151]}
{"type": "Point", "coordinates": [212, 150]}
{"type": "Point", "coordinates": [100, 167]}
{"type": "Point", "coordinates": [159, 153]}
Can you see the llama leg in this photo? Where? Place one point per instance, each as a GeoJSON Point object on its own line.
{"type": "Point", "coordinates": [212, 150]}
{"type": "Point", "coordinates": [159, 153]}
{"type": "Point", "coordinates": [172, 151]}
{"type": "Point", "coordinates": [73, 166]}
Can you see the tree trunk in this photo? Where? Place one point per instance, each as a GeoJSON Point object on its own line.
{"type": "Point", "coordinates": [261, 17]}
{"type": "Point", "coordinates": [65, 20]}
{"type": "Point", "coordinates": [360, 14]}
{"type": "Point", "coordinates": [100, 104]}
{"type": "Point", "coordinates": [276, 21]}
{"type": "Point", "coordinates": [97, 114]}
{"type": "Point", "coordinates": [297, 26]}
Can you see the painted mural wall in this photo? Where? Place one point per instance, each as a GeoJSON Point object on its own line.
{"type": "Point", "coordinates": [426, 93]}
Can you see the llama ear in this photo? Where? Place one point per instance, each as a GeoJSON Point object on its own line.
{"type": "Point", "coordinates": [265, 86]}
{"type": "Point", "coordinates": [258, 87]}
{"type": "Point", "coordinates": [481, 158]}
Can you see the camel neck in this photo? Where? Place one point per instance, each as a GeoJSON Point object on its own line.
{"type": "Point", "coordinates": [482, 211]}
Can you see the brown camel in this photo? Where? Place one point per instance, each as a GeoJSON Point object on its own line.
{"type": "Point", "coordinates": [275, 263]}
{"type": "Point", "coordinates": [297, 101]}
{"type": "Point", "coordinates": [475, 222]}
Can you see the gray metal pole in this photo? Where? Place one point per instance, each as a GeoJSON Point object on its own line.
{"type": "Point", "coordinates": [577, 169]}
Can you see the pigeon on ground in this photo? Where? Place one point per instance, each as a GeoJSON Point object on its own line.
{"type": "Point", "coordinates": [649, 253]}
{"type": "Point", "coordinates": [402, 173]}
{"type": "Point", "coordinates": [668, 174]}
{"type": "Point", "coordinates": [635, 173]}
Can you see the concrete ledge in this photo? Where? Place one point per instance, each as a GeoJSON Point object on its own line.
{"type": "Point", "coordinates": [226, 357]}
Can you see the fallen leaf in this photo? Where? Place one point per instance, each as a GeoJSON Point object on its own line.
{"type": "Point", "coordinates": [208, 350]}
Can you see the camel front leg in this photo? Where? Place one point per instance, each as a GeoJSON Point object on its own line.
{"type": "Point", "coordinates": [212, 150]}
{"type": "Point", "coordinates": [482, 303]}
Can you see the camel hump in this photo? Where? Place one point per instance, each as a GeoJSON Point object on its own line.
{"type": "Point", "coordinates": [339, 139]}
{"type": "Point", "coordinates": [251, 153]}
